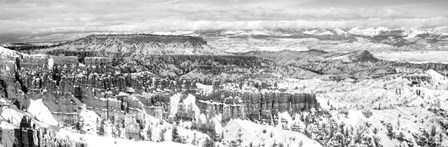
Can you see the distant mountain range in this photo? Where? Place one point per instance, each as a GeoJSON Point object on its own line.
{"type": "Point", "coordinates": [320, 32]}
{"type": "Point", "coordinates": [325, 33]}
{"type": "Point", "coordinates": [381, 42]}
{"type": "Point", "coordinates": [371, 39]}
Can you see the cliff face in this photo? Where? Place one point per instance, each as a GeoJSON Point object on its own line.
{"type": "Point", "coordinates": [259, 106]}
{"type": "Point", "coordinates": [29, 135]}
{"type": "Point", "coordinates": [65, 87]}
{"type": "Point", "coordinates": [132, 44]}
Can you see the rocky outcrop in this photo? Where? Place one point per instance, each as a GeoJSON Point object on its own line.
{"type": "Point", "coordinates": [28, 135]}
{"type": "Point", "coordinates": [362, 56]}
{"type": "Point", "coordinates": [286, 57]}
{"type": "Point", "coordinates": [67, 85]}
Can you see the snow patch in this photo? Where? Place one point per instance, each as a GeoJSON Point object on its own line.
{"type": "Point", "coordinates": [41, 112]}
{"type": "Point", "coordinates": [88, 120]}
{"type": "Point", "coordinates": [204, 89]}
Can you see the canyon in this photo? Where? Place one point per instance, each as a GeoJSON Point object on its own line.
{"type": "Point", "coordinates": [155, 88]}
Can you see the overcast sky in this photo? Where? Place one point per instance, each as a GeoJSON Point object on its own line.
{"type": "Point", "coordinates": [43, 16]}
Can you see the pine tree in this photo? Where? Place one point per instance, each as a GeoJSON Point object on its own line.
{"type": "Point", "coordinates": [194, 139]}
{"type": "Point", "coordinates": [400, 137]}
{"type": "Point", "coordinates": [162, 135]}
{"type": "Point", "coordinates": [433, 131]}
{"type": "Point", "coordinates": [209, 142]}
{"type": "Point", "coordinates": [175, 135]}
{"type": "Point", "coordinates": [101, 130]}
{"type": "Point", "coordinates": [390, 132]}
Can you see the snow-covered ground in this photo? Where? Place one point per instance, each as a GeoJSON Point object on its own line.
{"type": "Point", "coordinates": [390, 100]}
{"type": "Point", "coordinates": [4, 52]}
{"type": "Point", "coordinates": [95, 140]}
{"type": "Point", "coordinates": [256, 134]}
{"type": "Point", "coordinates": [406, 120]}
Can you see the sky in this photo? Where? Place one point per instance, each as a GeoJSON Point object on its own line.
{"type": "Point", "coordinates": [50, 16]}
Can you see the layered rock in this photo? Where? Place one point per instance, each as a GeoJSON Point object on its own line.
{"type": "Point", "coordinates": [262, 106]}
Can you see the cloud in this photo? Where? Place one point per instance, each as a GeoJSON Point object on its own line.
{"type": "Point", "coordinates": [43, 16]}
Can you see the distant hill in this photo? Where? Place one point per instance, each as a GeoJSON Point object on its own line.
{"type": "Point", "coordinates": [358, 64]}
{"type": "Point", "coordinates": [291, 57]}
{"type": "Point", "coordinates": [350, 57]}
{"type": "Point", "coordinates": [355, 64]}
{"type": "Point", "coordinates": [130, 45]}
{"type": "Point", "coordinates": [286, 57]}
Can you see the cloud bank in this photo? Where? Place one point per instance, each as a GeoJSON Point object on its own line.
{"type": "Point", "coordinates": [46, 16]}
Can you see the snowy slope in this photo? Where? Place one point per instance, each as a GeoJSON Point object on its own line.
{"type": "Point", "coordinates": [436, 77]}
{"type": "Point", "coordinates": [4, 52]}
{"type": "Point", "coordinates": [11, 115]}
{"type": "Point", "coordinates": [97, 141]}
{"type": "Point", "coordinates": [262, 134]}
{"type": "Point", "coordinates": [41, 112]}
{"type": "Point", "coordinates": [408, 120]}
